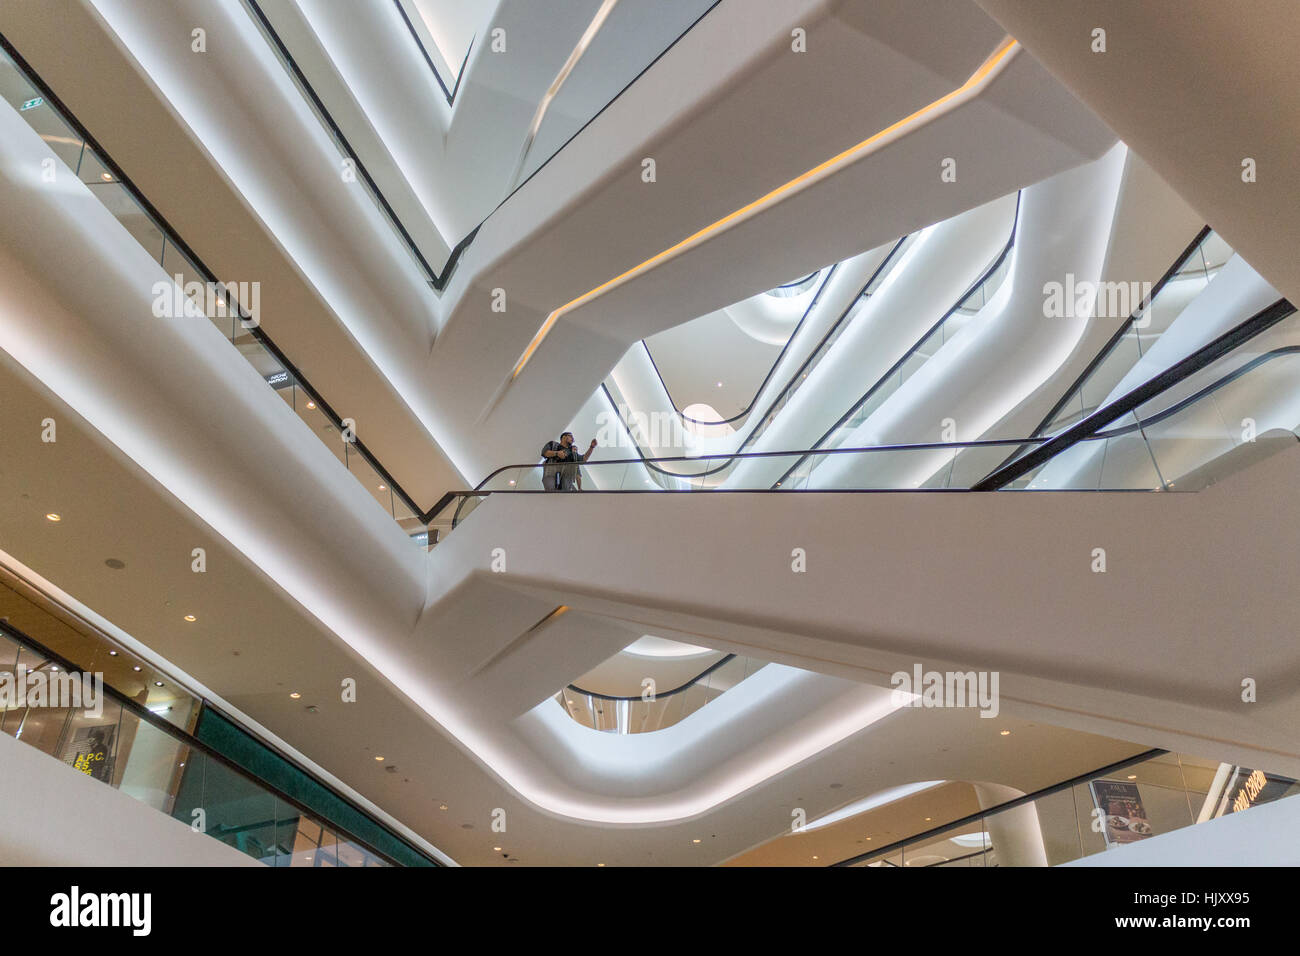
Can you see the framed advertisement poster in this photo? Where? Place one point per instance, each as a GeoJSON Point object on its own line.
{"type": "Point", "coordinates": [1121, 809]}
{"type": "Point", "coordinates": [91, 751]}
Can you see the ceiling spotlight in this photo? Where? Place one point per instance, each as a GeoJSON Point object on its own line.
{"type": "Point", "coordinates": [1132, 776]}
{"type": "Point", "coordinates": [311, 404]}
{"type": "Point", "coordinates": [695, 841]}
{"type": "Point", "coordinates": [442, 806]}
{"type": "Point", "coordinates": [497, 848]}
{"type": "Point", "coordinates": [719, 385]}
{"type": "Point", "coordinates": [379, 758]}
{"type": "Point", "coordinates": [816, 858]}
{"type": "Point", "coordinates": [53, 517]}
{"type": "Point", "coordinates": [295, 695]}
{"type": "Point", "coordinates": [191, 618]}
{"type": "Point", "coordinates": [600, 864]}
{"type": "Point", "coordinates": [927, 819]}
{"type": "Point", "coordinates": [107, 177]}
{"type": "Point", "coordinates": [1006, 733]}
{"type": "Point", "coordinates": [157, 683]}
{"type": "Point", "coordinates": [112, 653]}
{"type": "Point", "coordinates": [382, 488]}
{"type": "Point", "coordinates": [136, 667]}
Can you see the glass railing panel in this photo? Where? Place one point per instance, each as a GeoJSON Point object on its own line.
{"type": "Point", "coordinates": [370, 479]}
{"type": "Point", "coordinates": [151, 762]}
{"type": "Point", "coordinates": [17, 89]}
{"type": "Point", "coordinates": [112, 742]}
{"type": "Point", "coordinates": [1154, 797]}
{"type": "Point", "coordinates": [1142, 330]}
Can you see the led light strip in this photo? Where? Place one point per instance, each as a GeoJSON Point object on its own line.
{"type": "Point", "coordinates": [977, 81]}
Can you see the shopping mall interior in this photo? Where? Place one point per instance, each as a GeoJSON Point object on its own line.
{"type": "Point", "coordinates": [621, 433]}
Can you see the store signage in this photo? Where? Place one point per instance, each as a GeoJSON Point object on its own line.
{"type": "Point", "coordinates": [1248, 787]}
{"type": "Point", "coordinates": [31, 104]}
{"type": "Point", "coordinates": [1119, 805]}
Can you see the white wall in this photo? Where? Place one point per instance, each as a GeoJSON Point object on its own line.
{"type": "Point", "coordinates": [51, 815]}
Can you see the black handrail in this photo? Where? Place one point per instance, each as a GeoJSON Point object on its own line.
{"type": "Point", "coordinates": [794, 379]}
{"type": "Point", "coordinates": [914, 446]}
{"type": "Point", "coordinates": [1198, 395]}
{"type": "Point", "coordinates": [437, 279]}
{"type": "Point", "coordinates": [1089, 427]}
{"type": "Point", "coordinates": [766, 378]}
{"type": "Point", "coordinates": [880, 383]}
{"type": "Point", "coordinates": [659, 696]}
{"type": "Point", "coordinates": [1008, 805]}
{"type": "Point", "coordinates": [1124, 327]}
{"type": "Point", "coordinates": [450, 94]}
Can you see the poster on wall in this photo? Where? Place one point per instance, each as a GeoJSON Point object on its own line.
{"type": "Point", "coordinates": [91, 751]}
{"type": "Point", "coordinates": [1122, 810]}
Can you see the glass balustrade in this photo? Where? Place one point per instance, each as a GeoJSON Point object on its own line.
{"type": "Point", "coordinates": [234, 310]}
{"type": "Point", "coordinates": [1126, 804]}
{"type": "Point", "coordinates": [141, 745]}
{"type": "Point", "coordinates": [651, 711]}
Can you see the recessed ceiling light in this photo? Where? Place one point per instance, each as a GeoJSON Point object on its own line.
{"type": "Point", "coordinates": [191, 618]}
{"type": "Point", "coordinates": [107, 177]}
{"type": "Point", "coordinates": [136, 667]}
{"type": "Point", "coordinates": [382, 488]}
{"type": "Point", "coordinates": [112, 653]}
{"type": "Point", "coordinates": [600, 864]}
{"type": "Point", "coordinates": [53, 517]}
{"type": "Point", "coordinates": [117, 564]}
{"type": "Point", "coordinates": [379, 758]}
{"type": "Point", "coordinates": [927, 819]}
{"type": "Point", "coordinates": [816, 858]}
{"type": "Point", "coordinates": [497, 848]}
{"type": "Point", "coordinates": [311, 404]}
{"type": "Point", "coordinates": [442, 806]}
{"type": "Point", "coordinates": [157, 683]}
{"type": "Point", "coordinates": [695, 841]}
{"type": "Point", "coordinates": [295, 695]}
{"type": "Point", "coordinates": [1006, 733]}
{"type": "Point", "coordinates": [1132, 776]}
{"type": "Point", "coordinates": [719, 385]}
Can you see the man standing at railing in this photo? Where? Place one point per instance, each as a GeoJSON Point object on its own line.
{"type": "Point", "coordinates": [560, 472]}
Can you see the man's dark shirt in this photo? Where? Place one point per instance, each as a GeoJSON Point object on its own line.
{"type": "Point", "coordinates": [569, 456]}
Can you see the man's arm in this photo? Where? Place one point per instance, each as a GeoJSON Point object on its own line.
{"type": "Point", "coordinates": [590, 449]}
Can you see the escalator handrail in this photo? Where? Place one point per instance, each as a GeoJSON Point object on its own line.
{"type": "Point", "coordinates": [1170, 274]}
{"type": "Point", "coordinates": [984, 277]}
{"type": "Point", "coordinates": [1088, 427]}
{"type": "Point", "coordinates": [659, 695]}
{"type": "Point", "coordinates": [805, 452]}
{"type": "Point", "coordinates": [1198, 395]}
{"type": "Point", "coordinates": [789, 385]}
{"type": "Point", "coordinates": [981, 815]}
{"type": "Point", "coordinates": [766, 378]}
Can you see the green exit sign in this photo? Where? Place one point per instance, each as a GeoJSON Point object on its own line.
{"type": "Point", "coordinates": [32, 104]}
